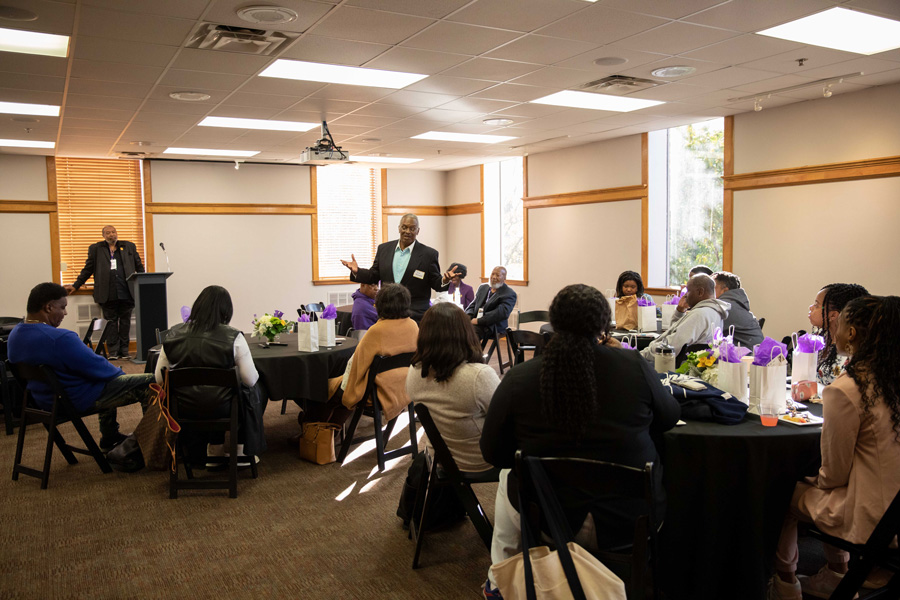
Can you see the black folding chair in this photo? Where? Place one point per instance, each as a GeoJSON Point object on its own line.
{"type": "Point", "coordinates": [7, 395]}
{"type": "Point", "coordinates": [99, 347]}
{"type": "Point", "coordinates": [876, 552]}
{"type": "Point", "coordinates": [495, 345]}
{"type": "Point", "coordinates": [62, 411]}
{"type": "Point", "coordinates": [596, 487]}
{"type": "Point", "coordinates": [380, 364]}
{"type": "Point", "coordinates": [533, 316]}
{"type": "Point", "coordinates": [217, 378]}
{"type": "Point", "coordinates": [443, 472]}
{"type": "Point", "coordinates": [522, 341]}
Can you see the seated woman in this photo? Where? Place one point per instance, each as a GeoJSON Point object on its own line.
{"type": "Point", "coordinates": [823, 315]}
{"type": "Point", "coordinates": [579, 399]}
{"type": "Point", "coordinates": [448, 375]}
{"type": "Point", "coordinates": [394, 333]}
{"type": "Point", "coordinates": [466, 293]}
{"type": "Point", "coordinates": [206, 340]}
{"type": "Point", "coordinates": [629, 288]}
{"type": "Point", "coordinates": [860, 472]}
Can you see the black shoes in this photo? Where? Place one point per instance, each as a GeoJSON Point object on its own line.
{"type": "Point", "coordinates": [108, 443]}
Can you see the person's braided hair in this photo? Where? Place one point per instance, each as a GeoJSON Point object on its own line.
{"type": "Point", "coordinates": [629, 276]}
{"type": "Point", "coordinates": [579, 315]}
{"type": "Point", "coordinates": [873, 364]}
{"type": "Point", "coordinates": [837, 295]}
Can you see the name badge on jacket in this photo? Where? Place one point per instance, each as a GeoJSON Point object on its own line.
{"type": "Point", "coordinates": [419, 274]}
{"type": "Point", "coordinates": [112, 264]}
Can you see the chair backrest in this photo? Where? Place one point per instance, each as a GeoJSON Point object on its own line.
{"type": "Point", "coordinates": [887, 528]}
{"type": "Point", "coordinates": [441, 451]}
{"type": "Point", "coordinates": [382, 364]}
{"type": "Point", "coordinates": [762, 323]}
{"type": "Point", "coordinates": [24, 373]}
{"type": "Point", "coordinates": [521, 340]}
{"type": "Point", "coordinates": [533, 316]}
{"type": "Point", "coordinates": [201, 376]}
{"type": "Point", "coordinates": [357, 334]}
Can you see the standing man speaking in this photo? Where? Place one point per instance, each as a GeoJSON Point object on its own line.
{"type": "Point", "coordinates": [111, 262]}
{"type": "Point", "coordinates": [407, 262]}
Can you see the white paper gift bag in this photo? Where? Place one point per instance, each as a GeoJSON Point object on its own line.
{"type": "Point", "coordinates": [768, 385]}
{"type": "Point", "coordinates": [307, 337]}
{"type": "Point", "coordinates": [734, 379]}
{"type": "Point", "coordinates": [646, 317]}
{"type": "Point", "coordinates": [611, 298]}
{"type": "Point", "coordinates": [326, 332]}
{"type": "Point", "coordinates": [803, 364]}
{"type": "Point", "coordinates": [668, 311]}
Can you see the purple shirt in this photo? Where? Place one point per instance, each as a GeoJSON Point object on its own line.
{"type": "Point", "coordinates": [466, 293]}
{"type": "Point", "coordinates": [363, 314]}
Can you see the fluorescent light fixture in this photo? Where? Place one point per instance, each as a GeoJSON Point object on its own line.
{"type": "Point", "coordinates": [307, 71]}
{"type": "Point", "coordinates": [30, 42]}
{"type": "Point", "coordinates": [475, 138]}
{"type": "Point", "coordinates": [384, 159]}
{"type": "Point", "coordinates": [26, 144]}
{"type": "Point", "coordinates": [237, 123]}
{"type": "Point", "coordinates": [21, 108]}
{"type": "Point", "coordinates": [841, 29]}
{"type": "Point", "coordinates": [596, 101]}
{"type": "Point", "coordinates": [211, 152]}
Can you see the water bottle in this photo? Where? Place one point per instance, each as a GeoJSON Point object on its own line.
{"type": "Point", "coordinates": [664, 358]}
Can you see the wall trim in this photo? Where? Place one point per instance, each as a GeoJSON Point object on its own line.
{"type": "Point", "coordinates": [55, 256]}
{"type": "Point", "coordinates": [630, 192]}
{"type": "Point", "coordinates": [728, 197]}
{"type": "Point", "coordinates": [421, 211]}
{"type": "Point", "coordinates": [869, 168]}
{"type": "Point", "coordinates": [645, 206]}
{"type": "Point", "coordinates": [27, 206]}
{"type": "Point", "coordinates": [149, 246]}
{"type": "Point", "coordinates": [211, 208]}
{"type": "Point", "coordinates": [463, 209]}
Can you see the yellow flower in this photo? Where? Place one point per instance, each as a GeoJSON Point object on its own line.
{"type": "Point", "coordinates": [706, 361]}
{"type": "Point", "coordinates": [282, 321]}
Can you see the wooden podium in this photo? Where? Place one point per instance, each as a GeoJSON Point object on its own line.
{"type": "Point", "coordinates": [150, 309]}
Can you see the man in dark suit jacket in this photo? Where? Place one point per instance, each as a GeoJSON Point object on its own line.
{"type": "Point", "coordinates": [408, 262]}
{"type": "Point", "coordinates": [111, 262]}
{"type": "Point", "coordinates": [492, 305]}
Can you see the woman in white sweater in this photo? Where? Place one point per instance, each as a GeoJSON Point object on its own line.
{"type": "Point", "coordinates": [448, 375]}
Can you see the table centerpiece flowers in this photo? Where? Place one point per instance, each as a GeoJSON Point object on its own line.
{"type": "Point", "coordinates": [270, 326]}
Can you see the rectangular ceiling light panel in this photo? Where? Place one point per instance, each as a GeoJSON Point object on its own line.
{"type": "Point", "coordinates": [474, 138]}
{"type": "Point", "coordinates": [30, 42]}
{"type": "Point", "coordinates": [265, 124]}
{"type": "Point", "coordinates": [572, 99]}
{"type": "Point", "coordinates": [211, 152]}
{"type": "Point", "coordinates": [841, 29]}
{"type": "Point", "coordinates": [21, 108]}
{"type": "Point", "coordinates": [25, 144]}
{"type": "Point", "coordinates": [307, 71]}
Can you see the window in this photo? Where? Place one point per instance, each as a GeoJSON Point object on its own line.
{"type": "Point", "coordinates": [504, 218]}
{"type": "Point", "coordinates": [91, 194]}
{"type": "Point", "coordinates": [348, 206]}
{"type": "Point", "coordinates": [686, 165]}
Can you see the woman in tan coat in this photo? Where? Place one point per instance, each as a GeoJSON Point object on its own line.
{"type": "Point", "coordinates": [860, 472]}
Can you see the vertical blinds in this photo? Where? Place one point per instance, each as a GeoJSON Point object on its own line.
{"type": "Point", "coordinates": [93, 193]}
{"type": "Point", "coordinates": [348, 202]}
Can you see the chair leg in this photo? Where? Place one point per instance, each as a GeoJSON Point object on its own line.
{"type": "Point", "coordinates": [351, 431]}
{"type": "Point", "coordinates": [419, 534]}
{"type": "Point", "coordinates": [381, 437]}
{"type": "Point", "coordinates": [91, 445]}
{"type": "Point", "coordinates": [232, 464]}
{"type": "Point", "coordinates": [413, 442]}
{"type": "Point", "coordinates": [60, 442]}
{"type": "Point", "coordinates": [284, 406]}
{"type": "Point", "coordinates": [473, 507]}
{"type": "Point", "coordinates": [51, 438]}
{"type": "Point", "coordinates": [20, 445]}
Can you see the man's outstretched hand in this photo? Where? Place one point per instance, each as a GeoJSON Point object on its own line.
{"type": "Point", "coordinates": [351, 264]}
{"type": "Point", "coordinates": [448, 275]}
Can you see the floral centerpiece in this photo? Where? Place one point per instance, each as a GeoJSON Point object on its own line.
{"type": "Point", "coordinates": [269, 326]}
{"type": "Point", "coordinates": [702, 364]}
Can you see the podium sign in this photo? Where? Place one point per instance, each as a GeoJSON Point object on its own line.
{"type": "Point", "coordinates": [150, 309]}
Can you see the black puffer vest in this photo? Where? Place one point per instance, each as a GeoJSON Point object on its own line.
{"type": "Point", "coordinates": [215, 348]}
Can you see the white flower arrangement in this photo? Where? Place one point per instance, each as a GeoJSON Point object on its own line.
{"type": "Point", "coordinates": [268, 326]}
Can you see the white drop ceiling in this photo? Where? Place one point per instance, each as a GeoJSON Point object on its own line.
{"type": "Point", "coordinates": [484, 58]}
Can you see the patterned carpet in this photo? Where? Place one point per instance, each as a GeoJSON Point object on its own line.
{"type": "Point", "coordinates": [286, 535]}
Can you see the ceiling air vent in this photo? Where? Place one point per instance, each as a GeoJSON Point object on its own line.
{"type": "Point", "coordinates": [618, 85]}
{"type": "Point", "coordinates": [129, 154]}
{"type": "Point", "coordinates": [243, 40]}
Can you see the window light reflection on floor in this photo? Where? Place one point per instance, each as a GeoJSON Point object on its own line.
{"type": "Point", "coordinates": [399, 427]}
{"type": "Point", "coordinates": [345, 493]}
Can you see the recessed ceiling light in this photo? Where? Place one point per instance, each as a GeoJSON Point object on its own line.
{"type": "Point", "coordinates": [610, 61]}
{"type": "Point", "coordinates": [384, 159]}
{"type": "Point", "coordinates": [267, 15]}
{"type": "Point", "coordinates": [475, 138]}
{"type": "Point", "coordinates": [189, 96]}
{"type": "Point", "coordinates": [21, 108]}
{"type": "Point", "coordinates": [572, 99]}
{"type": "Point", "coordinates": [11, 13]}
{"type": "Point", "coordinates": [307, 71]}
{"type": "Point", "coordinates": [141, 143]}
{"type": "Point", "coordinates": [498, 121]}
{"type": "Point", "coordinates": [268, 125]}
{"type": "Point", "coordinates": [675, 71]}
{"type": "Point", "coordinates": [841, 29]}
{"type": "Point", "coordinates": [211, 152]}
{"type": "Point", "coordinates": [30, 42]}
{"type": "Point", "coordinates": [26, 144]}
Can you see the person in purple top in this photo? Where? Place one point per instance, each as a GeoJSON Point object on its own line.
{"type": "Point", "coordinates": [466, 293]}
{"type": "Point", "coordinates": [89, 379]}
{"type": "Point", "coordinates": [364, 314]}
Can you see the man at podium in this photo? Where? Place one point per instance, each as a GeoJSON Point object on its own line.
{"type": "Point", "coordinates": [111, 262]}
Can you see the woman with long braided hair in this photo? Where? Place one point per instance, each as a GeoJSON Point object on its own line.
{"type": "Point", "coordinates": [823, 315]}
{"type": "Point", "coordinates": [583, 397]}
{"type": "Point", "coordinates": [860, 472]}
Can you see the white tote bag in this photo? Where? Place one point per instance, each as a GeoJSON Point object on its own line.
{"type": "Point", "coordinates": [768, 385]}
{"type": "Point", "coordinates": [646, 317]}
{"type": "Point", "coordinates": [611, 298]}
{"type": "Point", "coordinates": [803, 364]}
{"type": "Point", "coordinates": [734, 379]}
{"type": "Point", "coordinates": [668, 311]}
{"type": "Point", "coordinates": [326, 332]}
{"type": "Point", "coordinates": [307, 337]}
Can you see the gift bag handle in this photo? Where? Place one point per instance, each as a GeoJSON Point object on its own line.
{"type": "Point", "coordinates": [794, 338]}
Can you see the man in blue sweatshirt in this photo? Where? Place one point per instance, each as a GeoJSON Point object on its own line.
{"type": "Point", "coordinates": [89, 379]}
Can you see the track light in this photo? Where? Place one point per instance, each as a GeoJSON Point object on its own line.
{"type": "Point", "coordinates": [237, 165]}
{"type": "Point", "coordinates": [757, 105]}
{"type": "Point", "coordinates": [826, 91]}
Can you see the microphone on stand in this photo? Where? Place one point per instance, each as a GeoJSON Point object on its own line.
{"type": "Point", "coordinates": [163, 246]}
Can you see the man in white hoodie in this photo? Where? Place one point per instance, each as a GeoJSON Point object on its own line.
{"type": "Point", "coordinates": [698, 325]}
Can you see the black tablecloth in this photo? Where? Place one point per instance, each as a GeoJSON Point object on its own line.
{"type": "Point", "coordinates": [285, 372]}
{"type": "Point", "coordinates": [643, 339]}
{"type": "Point", "coordinates": [728, 490]}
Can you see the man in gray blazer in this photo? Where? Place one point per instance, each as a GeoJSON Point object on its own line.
{"type": "Point", "coordinates": [111, 262]}
{"type": "Point", "coordinates": [492, 305]}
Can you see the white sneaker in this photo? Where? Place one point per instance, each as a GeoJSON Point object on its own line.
{"type": "Point", "coordinates": [781, 590]}
{"type": "Point", "coordinates": [214, 451]}
{"type": "Point", "coordinates": [822, 584]}
{"type": "Point", "coordinates": [244, 461]}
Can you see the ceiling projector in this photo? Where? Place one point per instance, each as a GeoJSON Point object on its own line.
{"type": "Point", "coordinates": [324, 152]}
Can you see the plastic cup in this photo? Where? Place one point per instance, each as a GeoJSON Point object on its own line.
{"type": "Point", "coordinates": [768, 414]}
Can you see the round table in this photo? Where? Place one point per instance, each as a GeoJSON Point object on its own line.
{"type": "Point", "coordinates": [728, 490]}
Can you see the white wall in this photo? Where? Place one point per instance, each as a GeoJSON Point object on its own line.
{"type": "Point", "coordinates": [408, 187]}
{"type": "Point", "coordinates": [219, 182]}
{"type": "Point", "coordinates": [463, 186]}
{"type": "Point", "coordinates": [607, 164]}
{"type": "Point", "coordinates": [23, 177]}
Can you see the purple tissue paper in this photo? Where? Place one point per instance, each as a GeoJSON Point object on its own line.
{"type": "Point", "coordinates": [329, 313]}
{"type": "Point", "coordinates": [185, 313]}
{"type": "Point", "coordinates": [767, 350]}
{"type": "Point", "coordinates": [810, 343]}
{"type": "Point", "coordinates": [730, 353]}
{"type": "Point", "coordinates": [645, 302]}
{"type": "Point", "coordinates": [304, 318]}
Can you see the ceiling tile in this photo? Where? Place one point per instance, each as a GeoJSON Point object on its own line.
{"type": "Point", "coordinates": [316, 48]}
{"type": "Point", "coordinates": [361, 25]}
{"type": "Point", "coordinates": [440, 84]}
{"type": "Point", "coordinates": [90, 87]}
{"type": "Point", "coordinates": [260, 100]}
{"type": "Point", "coordinates": [765, 85]}
{"type": "Point", "coordinates": [413, 60]}
{"type": "Point", "coordinates": [161, 93]}
{"type": "Point", "coordinates": [460, 38]}
{"type": "Point", "coordinates": [183, 9]}
{"type": "Point", "coordinates": [389, 110]}
{"type": "Point", "coordinates": [541, 49]}
{"type": "Point", "coordinates": [177, 108]}
{"type": "Point", "coordinates": [477, 105]}
{"type": "Point", "coordinates": [434, 9]}
{"type": "Point", "coordinates": [134, 27]}
{"type": "Point", "coordinates": [744, 48]}
{"type": "Point", "coordinates": [29, 96]}
{"type": "Point", "coordinates": [632, 59]}
{"type": "Point", "coordinates": [814, 57]}
{"type": "Point", "coordinates": [601, 25]}
{"type": "Point", "coordinates": [866, 65]}
{"type": "Point", "coordinates": [439, 115]}
{"type": "Point", "coordinates": [164, 120]}
{"type": "Point", "coordinates": [814, 93]}
{"type": "Point", "coordinates": [884, 8]}
{"type": "Point", "coordinates": [491, 69]}
{"type": "Point", "coordinates": [514, 92]}
{"type": "Point", "coordinates": [201, 80]}
{"type": "Point", "coordinates": [134, 53]}
{"type": "Point", "coordinates": [421, 99]}
{"type": "Point", "coordinates": [519, 15]}
{"type": "Point", "coordinates": [353, 93]}
{"type": "Point", "coordinates": [245, 112]}
{"type": "Point", "coordinates": [319, 105]}
{"type": "Point", "coordinates": [367, 121]}
{"type": "Point", "coordinates": [194, 59]}
{"type": "Point", "coordinates": [670, 92]}
{"type": "Point", "coordinates": [529, 111]}
{"type": "Point", "coordinates": [675, 38]}
{"type": "Point", "coordinates": [558, 77]}
{"type": "Point", "coordinates": [118, 72]}
{"type": "Point", "coordinates": [728, 77]}
{"type": "Point", "coordinates": [95, 132]}
{"type": "Point", "coordinates": [882, 78]}
{"type": "Point", "coordinates": [117, 103]}
{"type": "Point", "coordinates": [281, 87]}
{"type": "Point", "coordinates": [101, 114]}
{"type": "Point", "coordinates": [756, 15]}
{"type": "Point", "coordinates": [14, 62]}
{"type": "Point", "coordinates": [38, 83]}
{"type": "Point", "coordinates": [669, 10]}
{"type": "Point", "coordinates": [53, 17]}
{"type": "Point", "coordinates": [224, 12]}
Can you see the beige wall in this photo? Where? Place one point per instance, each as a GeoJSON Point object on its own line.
{"type": "Point", "coordinates": [220, 182]}
{"type": "Point", "coordinates": [463, 186]}
{"type": "Point", "coordinates": [611, 163]}
{"type": "Point", "coordinates": [408, 187]}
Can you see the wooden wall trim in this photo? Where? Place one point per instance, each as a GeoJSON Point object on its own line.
{"type": "Point", "coordinates": [55, 257]}
{"type": "Point", "coordinates": [481, 203]}
{"type": "Point", "coordinates": [210, 208]}
{"type": "Point", "coordinates": [631, 192]}
{"type": "Point", "coordinates": [27, 206]}
{"type": "Point", "coordinates": [645, 206]}
{"type": "Point", "coordinates": [384, 205]}
{"type": "Point", "coordinates": [870, 168]}
{"type": "Point", "coordinates": [728, 198]}
{"type": "Point", "coordinates": [421, 211]}
{"type": "Point", "coordinates": [464, 209]}
{"type": "Point", "coordinates": [524, 223]}
{"type": "Point", "coordinates": [149, 243]}
{"type": "Point", "coordinates": [314, 220]}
